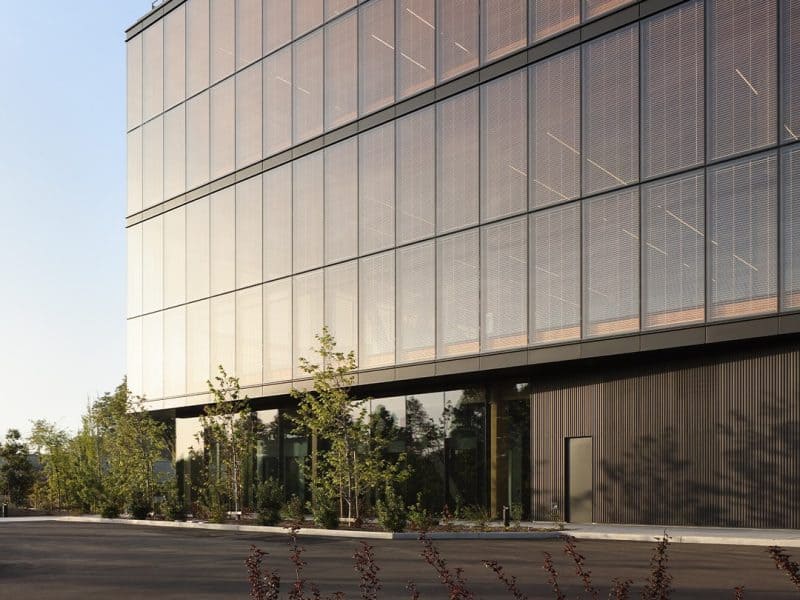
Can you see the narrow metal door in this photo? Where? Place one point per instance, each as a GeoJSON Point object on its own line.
{"type": "Point", "coordinates": [579, 480]}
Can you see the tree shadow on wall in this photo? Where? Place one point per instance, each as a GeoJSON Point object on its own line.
{"type": "Point", "coordinates": [748, 475]}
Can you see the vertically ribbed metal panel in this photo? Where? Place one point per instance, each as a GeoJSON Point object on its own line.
{"type": "Point", "coordinates": [711, 440]}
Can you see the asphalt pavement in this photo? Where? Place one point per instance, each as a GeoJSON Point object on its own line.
{"type": "Point", "coordinates": [58, 560]}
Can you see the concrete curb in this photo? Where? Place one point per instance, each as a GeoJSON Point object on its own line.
{"type": "Point", "coordinates": [304, 531]}
{"type": "Point", "coordinates": [626, 533]}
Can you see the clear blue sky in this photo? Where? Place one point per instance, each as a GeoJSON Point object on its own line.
{"type": "Point", "coordinates": [62, 185]}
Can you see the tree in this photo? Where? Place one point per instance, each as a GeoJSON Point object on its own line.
{"type": "Point", "coordinates": [51, 445]}
{"type": "Point", "coordinates": [349, 463]}
{"type": "Point", "coordinates": [17, 474]}
{"type": "Point", "coordinates": [229, 434]}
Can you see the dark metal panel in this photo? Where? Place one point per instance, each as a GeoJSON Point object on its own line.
{"type": "Point", "coordinates": [709, 439]}
{"type": "Point", "coordinates": [724, 332]}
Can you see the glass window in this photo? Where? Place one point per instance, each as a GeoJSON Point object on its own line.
{"type": "Point", "coordinates": [458, 37]}
{"type": "Point", "coordinates": [153, 70]}
{"type": "Point", "coordinates": [307, 318]}
{"type": "Point", "coordinates": [457, 294]}
{"type": "Point", "coordinates": [248, 116]}
{"type": "Point", "coordinates": [341, 71]}
{"type": "Point", "coordinates": [611, 110]}
{"type": "Point", "coordinates": [197, 140]}
{"type": "Point", "coordinates": [197, 249]}
{"type": "Point", "coordinates": [134, 356]}
{"type": "Point", "coordinates": [416, 175]}
{"type": "Point", "coordinates": [742, 261]}
{"type": "Point", "coordinates": [153, 355]}
{"type": "Point", "coordinates": [790, 218]}
{"type": "Point", "coordinates": [222, 349]}
{"type": "Point", "coordinates": [341, 305]}
{"type": "Point", "coordinates": [175, 351]}
{"type": "Point", "coordinates": [504, 28]}
{"type": "Point", "coordinates": [555, 129]}
{"type": "Point", "coordinates": [223, 34]}
{"type": "Point", "coordinates": [223, 129]}
{"type": "Point", "coordinates": [416, 302]}
{"type": "Point", "coordinates": [457, 164]}
{"type": "Point", "coordinates": [175, 151]}
{"type": "Point", "coordinates": [175, 57]}
{"type": "Point", "coordinates": [504, 152]}
{"type": "Point", "coordinates": [135, 171]}
{"type": "Point", "coordinates": [134, 65]}
{"type": "Point", "coordinates": [249, 334]}
{"type": "Point", "coordinates": [376, 55]}
{"type": "Point", "coordinates": [248, 32]}
{"type": "Point", "coordinates": [425, 451]}
{"type": "Point", "coordinates": [175, 257]}
{"type": "Point", "coordinates": [595, 8]}
{"type": "Point", "coordinates": [307, 16]}
{"type": "Point", "coordinates": [673, 255]}
{"type": "Point", "coordinates": [416, 46]}
{"type": "Point", "coordinates": [198, 334]}
{"type": "Point", "coordinates": [153, 162]}
{"type": "Point", "coordinates": [248, 232]}
{"type": "Point", "coordinates": [504, 285]}
{"type": "Point", "coordinates": [308, 186]}
{"type": "Point", "coordinates": [549, 17]}
{"type": "Point", "coordinates": [152, 265]}
{"type": "Point", "coordinates": [277, 222]}
{"type": "Point", "coordinates": [197, 46]}
{"type": "Point", "coordinates": [555, 274]}
{"type": "Point", "coordinates": [134, 239]}
{"type": "Point", "coordinates": [790, 70]}
{"type": "Point", "coordinates": [341, 200]}
{"type": "Point", "coordinates": [741, 80]}
{"type": "Point", "coordinates": [465, 428]}
{"type": "Point", "coordinates": [277, 24]}
{"type": "Point", "coordinates": [277, 101]}
{"type": "Point", "coordinates": [223, 241]}
{"type": "Point", "coordinates": [376, 299]}
{"type": "Point", "coordinates": [376, 189]}
{"type": "Point", "coordinates": [672, 90]}
{"type": "Point", "coordinates": [334, 8]}
{"type": "Point", "coordinates": [278, 330]}
{"type": "Point", "coordinates": [611, 263]}
{"type": "Point", "coordinates": [307, 87]}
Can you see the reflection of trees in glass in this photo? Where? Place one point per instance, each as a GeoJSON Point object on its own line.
{"type": "Point", "coordinates": [424, 436]}
{"type": "Point", "coordinates": [465, 422]}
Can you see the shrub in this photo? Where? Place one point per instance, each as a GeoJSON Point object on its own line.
{"type": "Point", "coordinates": [418, 516]}
{"type": "Point", "coordinates": [109, 509]}
{"type": "Point", "coordinates": [294, 510]}
{"type": "Point", "coordinates": [391, 510]}
{"type": "Point", "coordinates": [138, 505]}
{"type": "Point", "coordinates": [269, 498]}
{"type": "Point", "coordinates": [172, 505]}
{"type": "Point", "coordinates": [479, 515]}
{"type": "Point", "coordinates": [324, 510]}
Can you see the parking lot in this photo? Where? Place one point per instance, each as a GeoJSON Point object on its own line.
{"type": "Point", "coordinates": [77, 560]}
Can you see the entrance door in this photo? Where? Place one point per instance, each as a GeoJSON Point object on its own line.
{"type": "Point", "coordinates": [579, 480]}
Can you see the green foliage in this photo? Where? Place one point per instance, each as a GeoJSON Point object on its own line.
{"type": "Point", "coordinates": [228, 441]}
{"type": "Point", "coordinates": [418, 516]}
{"type": "Point", "coordinates": [269, 499]}
{"type": "Point", "coordinates": [391, 510]}
{"type": "Point", "coordinates": [350, 462]}
{"type": "Point", "coordinates": [139, 505]}
{"type": "Point", "coordinates": [17, 474]}
{"type": "Point", "coordinates": [479, 515]}
{"type": "Point", "coordinates": [172, 506]}
{"type": "Point", "coordinates": [324, 509]}
{"type": "Point", "coordinates": [109, 509]}
{"type": "Point", "coordinates": [294, 510]}
{"type": "Point", "coordinates": [110, 460]}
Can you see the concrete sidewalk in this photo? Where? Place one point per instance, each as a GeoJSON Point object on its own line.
{"type": "Point", "coordinates": [787, 538]}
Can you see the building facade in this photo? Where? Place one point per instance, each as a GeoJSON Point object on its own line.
{"type": "Point", "coordinates": [562, 237]}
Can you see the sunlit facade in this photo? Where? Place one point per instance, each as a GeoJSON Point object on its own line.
{"type": "Point", "coordinates": [553, 232]}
